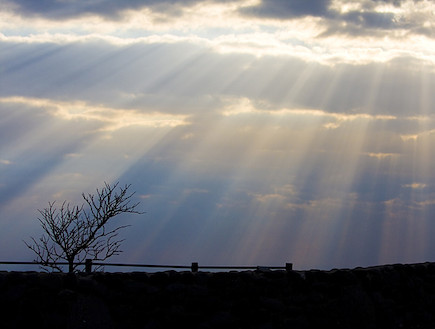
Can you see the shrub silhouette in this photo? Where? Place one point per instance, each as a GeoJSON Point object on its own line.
{"type": "Point", "coordinates": [76, 233]}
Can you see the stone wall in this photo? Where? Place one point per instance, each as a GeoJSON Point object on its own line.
{"type": "Point", "coordinates": [391, 296]}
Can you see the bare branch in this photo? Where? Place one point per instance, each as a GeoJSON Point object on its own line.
{"type": "Point", "coordinates": [78, 232]}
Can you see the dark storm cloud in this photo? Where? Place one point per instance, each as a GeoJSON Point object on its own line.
{"type": "Point", "coordinates": [111, 9]}
{"type": "Point", "coordinates": [366, 21]}
{"type": "Point", "coordinates": [370, 19]}
{"type": "Point", "coordinates": [284, 9]}
{"type": "Point", "coordinates": [356, 22]}
{"type": "Point", "coordinates": [396, 3]}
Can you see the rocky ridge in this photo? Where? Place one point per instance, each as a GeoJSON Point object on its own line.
{"type": "Point", "coordinates": [390, 296]}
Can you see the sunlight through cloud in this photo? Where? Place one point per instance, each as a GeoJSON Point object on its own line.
{"type": "Point", "coordinates": [113, 119]}
{"type": "Point", "coordinates": [253, 131]}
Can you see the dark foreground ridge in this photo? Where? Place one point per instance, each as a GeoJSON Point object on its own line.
{"type": "Point", "coordinates": [390, 296]}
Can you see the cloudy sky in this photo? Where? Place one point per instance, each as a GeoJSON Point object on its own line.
{"type": "Point", "coordinates": [253, 132]}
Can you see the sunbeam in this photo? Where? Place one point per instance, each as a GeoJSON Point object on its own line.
{"type": "Point", "coordinates": [253, 132]}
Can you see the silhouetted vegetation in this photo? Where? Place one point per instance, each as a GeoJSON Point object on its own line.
{"type": "Point", "coordinates": [75, 233]}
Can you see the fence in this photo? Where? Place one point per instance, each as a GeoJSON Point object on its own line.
{"type": "Point", "coordinates": [194, 267]}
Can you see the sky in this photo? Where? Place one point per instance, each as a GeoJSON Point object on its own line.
{"type": "Point", "coordinates": [252, 132]}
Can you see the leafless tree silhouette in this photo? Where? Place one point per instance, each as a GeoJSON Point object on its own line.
{"type": "Point", "coordinates": [76, 233]}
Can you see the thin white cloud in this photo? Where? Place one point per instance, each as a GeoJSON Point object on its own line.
{"type": "Point", "coordinates": [381, 156]}
{"type": "Point", "coordinates": [244, 106]}
{"type": "Point", "coordinates": [5, 162]}
{"type": "Point", "coordinates": [65, 39]}
{"type": "Point", "coordinates": [424, 133]}
{"type": "Point", "coordinates": [280, 194]}
{"type": "Point", "coordinates": [111, 118]}
{"type": "Point", "coordinates": [415, 186]}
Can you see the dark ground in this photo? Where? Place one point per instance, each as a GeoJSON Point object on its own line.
{"type": "Point", "coordinates": [390, 296]}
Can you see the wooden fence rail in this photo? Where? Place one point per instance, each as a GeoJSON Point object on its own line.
{"type": "Point", "coordinates": [194, 267]}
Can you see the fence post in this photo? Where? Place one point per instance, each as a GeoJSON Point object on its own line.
{"type": "Point", "coordinates": [195, 267]}
{"type": "Point", "coordinates": [88, 266]}
{"type": "Point", "coordinates": [288, 267]}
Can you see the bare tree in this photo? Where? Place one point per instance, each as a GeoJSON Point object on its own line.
{"type": "Point", "coordinates": [76, 233]}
